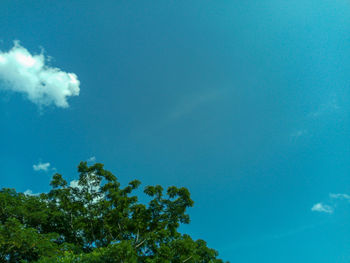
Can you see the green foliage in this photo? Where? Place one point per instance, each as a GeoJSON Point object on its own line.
{"type": "Point", "coordinates": [95, 220]}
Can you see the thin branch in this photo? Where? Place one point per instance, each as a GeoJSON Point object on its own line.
{"type": "Point", "coordinates": [139, 244]}
{"type": "Point", "coordinates": [137, 236]}
{"type": "Point", "coordinates": [187, 259]}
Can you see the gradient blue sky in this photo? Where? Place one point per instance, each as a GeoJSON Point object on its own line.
{"type": "Point", "coordinates": [246, 103]}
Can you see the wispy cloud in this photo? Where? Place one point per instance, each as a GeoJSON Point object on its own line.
{"type": "Point", "coordinates": [320, 207]}
{"type": "Point", "coordinates": [91, 159]}
{"type": "Point", "coordinates": [329, 107]}
{"type": "Point", "coordinates": [340, 196]}
{"type": "Point", "coordinates": [22, 72]}
{"type": "Point", "coordinates": [298, 133]}
{"type": "Point", "coordinates": [334, 200]}
{"type": "Point", "coordinates": [190, 103]}
{"type": "Point", "coordinates": [41, 167]}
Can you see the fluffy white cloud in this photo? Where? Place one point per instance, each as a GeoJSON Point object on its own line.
{"type": "Point", "coordinates": [22, 72]}
{"type": "Point", "coordinates": [320, 207]}
{"type": "Point", "coordinates": [74, 184]}
{"type": "Point", "coordinates": [41, 167]}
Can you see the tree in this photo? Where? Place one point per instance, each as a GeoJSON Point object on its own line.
{"type": "Point", "coordinates": [94, 220]}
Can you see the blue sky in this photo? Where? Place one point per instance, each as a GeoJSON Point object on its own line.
{"type": "Point", "coordinates": [246, 103]}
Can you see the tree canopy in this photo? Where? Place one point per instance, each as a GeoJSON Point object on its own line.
{"type": "Point", "coordinates": [94, 220]}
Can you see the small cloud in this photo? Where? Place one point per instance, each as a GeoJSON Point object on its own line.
{"type": "Point", "coordinates": [22, 72]}
{"type": "Point", "coordinates": [340, 196]}
{"type": "Point", "coordinates": [74, 184]}
{"type": "Point", "coordinates": [330, 106]}
{"type": "Point", "coordinates": [320, 207]}
{"type": "Point", "coordinates": [91, 159]}
{"type": "Point", "coordinates": [298, 133]}
{"type": "Point", "coordinates": [334, 199]}
{"type": "Point", "coordinates": [30, 193]}
{"type": "Point", "coordinates": [41, 167]}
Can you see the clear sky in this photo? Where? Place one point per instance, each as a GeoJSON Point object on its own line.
{"type": "Point", "coordinates": [246, 103]}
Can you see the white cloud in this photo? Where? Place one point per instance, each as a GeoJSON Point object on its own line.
{"type": "Point", "coordinates": [334, 199]}
{"type": "Point", "coordinates": [320, 207]}
{"type": "Point", "coordinates": [298, 133]}
{"type": "Point", "coordinates": [340, 196]}
{"type": "Point", "coordinates": [30, 193]}
{"type": "Point", "coordinates": [92, 189]}
{"type": "Point", "coordinates": [75, 184]}
{"type": "Point", "coordinates": [91, 159]}
{"type": "Point", "coordinates": [190, 103]}
{"type": "Point", "coordinates": [22, 72]}
{"type": "Point", "coordinates": [330, 106]}
{"type": "Point", "coordinates": [41, 167]}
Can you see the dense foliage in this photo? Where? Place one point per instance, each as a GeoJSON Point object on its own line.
{"type": "Point", "coordinates": [95, 220]}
